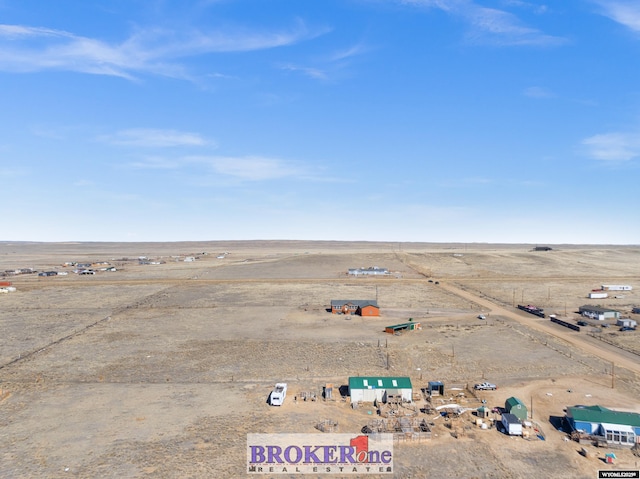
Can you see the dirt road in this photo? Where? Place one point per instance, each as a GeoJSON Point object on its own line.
{"type": "Point", "coordinates": [602, 350]}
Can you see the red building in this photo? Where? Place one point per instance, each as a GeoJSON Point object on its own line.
{"type": "Point", "coordinates": [368, 307]}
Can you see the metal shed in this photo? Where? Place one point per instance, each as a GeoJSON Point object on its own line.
{"type": "Point", "coordinates": [402, 327]}
{"type": "Point", "coordinates": [514, 406]}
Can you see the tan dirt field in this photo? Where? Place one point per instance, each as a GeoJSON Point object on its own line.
{"type": "Point", "coordinates": [161, 370]}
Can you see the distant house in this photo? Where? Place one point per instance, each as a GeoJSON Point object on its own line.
{"type": "Point", "coordinates": [367, 307]}
{"type": "Point", "coordinates": [616, 287]}
{"type": "Point", "coordinates": [596, 312]}
{"type": "Point", "coordinates": [380, 389]}
{"type": "Point", "coordinates": [617, 427]}
{"type": "Point", "coordinates": [371, 271]}
{"type": "Point", "coordinates": [48, 273]}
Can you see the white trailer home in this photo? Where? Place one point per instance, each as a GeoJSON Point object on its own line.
{"type": "Point", "coordinates": [380, 389]}
{"type": "Point", "coordinates": [616, 287]}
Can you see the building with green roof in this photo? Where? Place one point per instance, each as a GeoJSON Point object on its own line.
{"type": "Point", "coordinates": [402, 327]}
{"type": "Point", "coordinates": [617, 427]}
{"type": "Point", "coordinates": [514, 406]}
{"type": "Point", "coordinates": [380, 388]}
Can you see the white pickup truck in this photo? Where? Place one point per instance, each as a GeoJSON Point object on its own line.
{"type": "Point", "coordinates": [485, 387]}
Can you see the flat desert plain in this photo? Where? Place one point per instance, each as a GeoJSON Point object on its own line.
{"type": "Point", "coordinates": [160, 370]}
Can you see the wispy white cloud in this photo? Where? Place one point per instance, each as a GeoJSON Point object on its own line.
{"type": "Point", "coordinates": [626, 13]}
{"type": "Point", "coordinates": [251, 168]}
{"type": "Point", "coordinates": [535, 8]}
{"type": "Point", "coordinates": [613, 146]}
{"type": "Point", "coordinates": [156, 51]}
{"type": "Point", "coordinates": [490, 25]}
{"type": "Point", "coordinates": [348, 52]}
{"type": "Point", "coordinates": [152, 138]}
{"type": "Point", "coordinates": [242, 168]}
{"type": "Point", "coordinates": [329, 65]}
{"type": "Point", "coordinates": [538, 92]}
{"type": "Point", "coordinates": [311, 72]}
{"type": "Point", "coordinates": [155, 163]}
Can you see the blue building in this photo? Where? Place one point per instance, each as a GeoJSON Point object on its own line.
{"type": "Point", "coordinates": [617, 427]}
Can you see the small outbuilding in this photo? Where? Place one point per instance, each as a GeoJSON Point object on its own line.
{"type": "Point", "coordinates": [514, 406]}
{"type": "Point", "coordinates": [402, 327]}
{"type": "Point", "coordinates": [435, 388]}
{"type": "Point", "coordinates": [627, 323]}
{"type": "Point", "coordinates": [380, 389]}
{"type": "Point", "coordinates": [483, 411]}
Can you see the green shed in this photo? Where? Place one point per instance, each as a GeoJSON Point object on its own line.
{"type": "Point", "coordinates": [514, 406]}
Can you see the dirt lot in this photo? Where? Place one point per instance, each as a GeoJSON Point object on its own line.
{"type": "Point", "coordinates": [161, 370]}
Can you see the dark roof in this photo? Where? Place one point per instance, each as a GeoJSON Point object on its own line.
{"type": "Point", "coordinates": [356, 302]}
{"type": "Point", "coordinates": [600, 414]}
{"type": "Point", "coordinates": [511, 418]}
{"type": "Point", "coordinates": [596, 309]}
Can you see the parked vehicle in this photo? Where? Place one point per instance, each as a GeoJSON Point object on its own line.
{"type": "Point", "coordinates": [485, 387]}
{"type": "Point", "coordinates": [278, 394]}
{"type": "Point", "coordinates": [627, 328]}
{"type": "Point", "coordinates": [482, 316]}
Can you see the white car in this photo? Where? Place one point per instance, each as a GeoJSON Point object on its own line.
{"type": "Point", "coordinates": [482, 316]}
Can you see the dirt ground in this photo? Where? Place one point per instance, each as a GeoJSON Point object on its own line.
{"type": "Point", "coordinates": [161, 370]}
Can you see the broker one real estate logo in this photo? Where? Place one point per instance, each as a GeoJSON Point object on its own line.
{"type": "Point", "coordinates": [319, 453]}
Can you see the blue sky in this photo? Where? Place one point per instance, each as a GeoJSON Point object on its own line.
{"type": "Point", "coordinates": [384, 120]}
